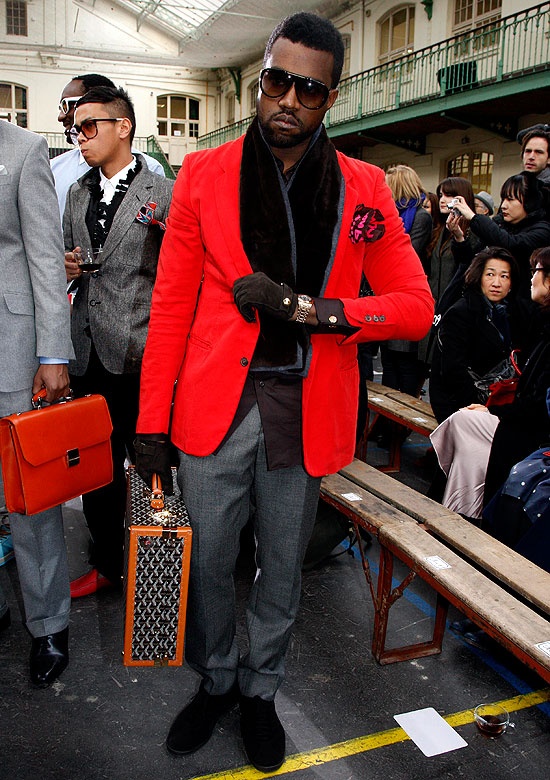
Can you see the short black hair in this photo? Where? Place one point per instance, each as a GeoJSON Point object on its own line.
{"type": "Point", "coordinates": [477, 266]}
{"type": "Point", "coordinates": [91, 80]}
{"type": "Point", "coordinates": [526, 188]}
{"type": "Point", "coordinates": [314, 32]}
{"type": "Point", "coordinates": [117, 97]}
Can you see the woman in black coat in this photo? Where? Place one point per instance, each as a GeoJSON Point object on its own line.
{"type": "Point", "coordinates": [477, 449]}
{"type": "Point", "coordinates": [477, 332]}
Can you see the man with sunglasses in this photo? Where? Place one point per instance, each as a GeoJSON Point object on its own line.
{"type": "Point", "coordinates": [70, 166]}
{"type": "Point", "coordinates": [120, 207]}
{"type": "Point", "coordinates": [256, 315]}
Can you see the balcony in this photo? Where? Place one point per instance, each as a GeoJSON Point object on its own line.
{"type": "Point", "coordinates": [493, 72]}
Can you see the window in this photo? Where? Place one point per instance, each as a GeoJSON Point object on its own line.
{"type": "Point", "coordinates": [252, 97]}
{"type": "Point", "coordinates": [475, 166]}
{"type": "Point", "coordinates": [177, 116]}
{"type": "Point", "coordinates": [230, 105]}
{"type": "Point", "coordinates": [16, 17]}
{"type": "Point", "coordinates": [470, 14]}
{"type": "Point", "coordinates": [346, 39]}
{"type": "Point", "coordinates": [396, 34]}
{"type": "Point", "coordinates": [13, 104]}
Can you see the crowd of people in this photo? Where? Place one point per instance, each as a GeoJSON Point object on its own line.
{"type": "Point", "coordinates": [268, 263]}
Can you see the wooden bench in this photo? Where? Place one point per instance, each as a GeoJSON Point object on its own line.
{"type": "Point", "coordinates": [500, 591]}
{"type": "Point", "coordinates": [404, 411]}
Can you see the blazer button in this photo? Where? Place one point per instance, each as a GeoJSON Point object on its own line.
{"type": "Point", "coordinates": [244, 361]}
{"type": "Point", "coordinates": [94, 303]}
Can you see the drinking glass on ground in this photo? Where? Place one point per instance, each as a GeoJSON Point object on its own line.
{"type": "Point", "coordinates": [491, 719]}
{"type": "Point", "coordinates": [90, 260]}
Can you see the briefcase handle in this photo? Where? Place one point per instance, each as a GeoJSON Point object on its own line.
{"type": "Point", "coordinates": [38, 399]}
{"type": "Point", "coordinates": [157, 493]}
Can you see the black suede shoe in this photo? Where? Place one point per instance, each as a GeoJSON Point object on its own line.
{"type": "Point", "coordinates": [49, 656]}
{"type": "Point", "coordinates": [262, 732]}
{"type": "Point", "coordinates": [193, 727]}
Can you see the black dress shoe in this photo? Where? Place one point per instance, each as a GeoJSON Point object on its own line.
{"type": "Point", "coordinates": [5, 620]}
{"type": "Point", "coordinates": [193, 727]}
{"type": "Point", "coordinates": [262, 732]}
{"type": "Point", "coordinates": [49, 656]}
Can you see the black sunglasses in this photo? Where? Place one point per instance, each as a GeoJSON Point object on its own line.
{"type": "Point", "coordinates": [275, 82]}
{"type": "Point", "coordinates": [88, 128]}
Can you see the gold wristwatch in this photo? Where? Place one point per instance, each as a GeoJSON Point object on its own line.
{"type": "Point", "coordinates": [304, 307]}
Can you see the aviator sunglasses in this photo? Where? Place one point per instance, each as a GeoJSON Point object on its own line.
{"type": "Point", "coordinates": [88, 128]}
{"type": "Point", "coordinates": [275, 82]}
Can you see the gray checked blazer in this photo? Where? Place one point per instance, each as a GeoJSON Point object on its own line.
{"type": "Point", "coordinates": [113, 307]}
{"type": "Point", "coordinates": [34, 310]}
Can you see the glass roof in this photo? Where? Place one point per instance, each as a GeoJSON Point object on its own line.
{"type": "Point", "coordinates": [183, 17]}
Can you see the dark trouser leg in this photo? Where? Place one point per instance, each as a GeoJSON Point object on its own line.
{"type": "Point", "coordinates": [104, 509]}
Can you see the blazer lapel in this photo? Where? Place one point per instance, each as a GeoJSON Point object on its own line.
{"type": "Point", "coordinates": [137, 195]}
{"type": "Point", "coordinates": [81, 198]}
{"type": "Point", "coordinates": [226, 194]}
{"type": "Point", "coordinates": [351, 196]}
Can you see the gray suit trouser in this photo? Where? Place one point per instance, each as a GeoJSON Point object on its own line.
{"type": "Point", "coordinates": [40, 553]}
{"type": "Point", "coordinates": [221, 491]}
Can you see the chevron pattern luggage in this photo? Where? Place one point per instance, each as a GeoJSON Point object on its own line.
{"type": "Point", "coordinates": [158, 553]}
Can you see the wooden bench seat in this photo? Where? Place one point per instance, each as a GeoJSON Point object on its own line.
{"type": "Point", "coordinates": [509, 567]}
{"type": "Point", "coordinates": [403, 411]}
{"type": "Point", "coordinates": [505, 598]}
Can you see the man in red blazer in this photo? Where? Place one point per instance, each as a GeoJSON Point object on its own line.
{"type": "Point", "coordinates": [256, 316]}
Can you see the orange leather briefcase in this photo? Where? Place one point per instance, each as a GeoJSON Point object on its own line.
{"type": "Point", "coordinates": [52, 454]}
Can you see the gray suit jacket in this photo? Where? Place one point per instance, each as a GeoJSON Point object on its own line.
{"type": "Point", "coordinates": [34, 309]}
{"type": "Point", "coordinates": [114, 305]}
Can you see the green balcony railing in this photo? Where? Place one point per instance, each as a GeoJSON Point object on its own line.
{"type": "Point", "coordinates": [508, 48]}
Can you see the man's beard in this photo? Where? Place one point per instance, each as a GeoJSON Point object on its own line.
{"type": "Point", "coordinates": [281, 140]}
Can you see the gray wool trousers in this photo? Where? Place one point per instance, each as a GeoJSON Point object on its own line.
{"type": "Point", "coordinates": [40, 552]}
{"type": "Point", "coordinates": [221, 492]}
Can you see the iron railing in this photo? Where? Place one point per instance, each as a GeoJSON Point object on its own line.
{"type": "Point", "coordinates": [507, 48]}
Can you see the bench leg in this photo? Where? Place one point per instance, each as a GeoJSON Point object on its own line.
{"type": "Point", "coordinates": [396, 442]}
{"type": "Point", "coordinates": [385, 598]}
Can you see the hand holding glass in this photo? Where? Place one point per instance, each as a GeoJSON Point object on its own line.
{"type": "Point", "coordinates": [89, 260]}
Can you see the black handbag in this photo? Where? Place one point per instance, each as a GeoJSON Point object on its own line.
{"type": "Point", "coordinates": [498, 386]}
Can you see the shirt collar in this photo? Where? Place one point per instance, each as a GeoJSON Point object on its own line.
{"type": "Point", "coordinates": [112, 183]}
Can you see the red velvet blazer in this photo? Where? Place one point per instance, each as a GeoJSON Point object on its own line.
{"type": "Point", "coordinates": [198, 339]}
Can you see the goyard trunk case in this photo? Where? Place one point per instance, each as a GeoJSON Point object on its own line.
{"type": "Point", "coordinates": [157, 558]}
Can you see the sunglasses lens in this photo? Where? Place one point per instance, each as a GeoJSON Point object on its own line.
{"type": "Point", "coordinates": [89, 128]}
{"type": "Point", "coordinates": [311, 94]}
{"type": "Point", "coordinates": [275, 83]}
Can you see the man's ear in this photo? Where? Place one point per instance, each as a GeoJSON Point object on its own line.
{"type": "Point", "coordinates": [333, 94]}
{"type": "Point", "coordinates": [125, 128]}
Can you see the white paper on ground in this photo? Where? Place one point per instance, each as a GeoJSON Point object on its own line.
{"type": "Point", "coordinates": [430, 732]}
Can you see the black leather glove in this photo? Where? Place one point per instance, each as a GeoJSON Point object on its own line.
{"type": "Point", "coordinates": [258, 291]}
{"type": "Point", "coordinates": [153, 457]}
